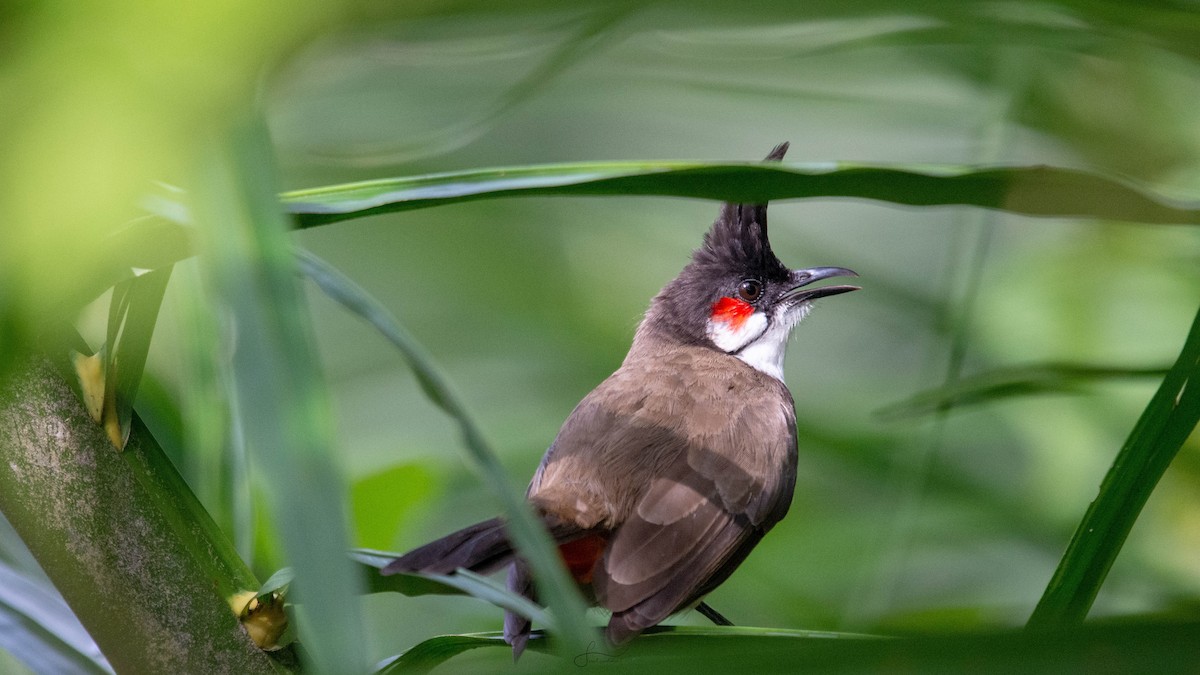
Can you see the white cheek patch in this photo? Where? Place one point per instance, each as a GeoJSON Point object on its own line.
{"type": "Point", "coordinates": [766, 353]}
{"type": "Point", "coordinates": [758, 345]}
{"type": "Point", "coordinates": [731, 336]}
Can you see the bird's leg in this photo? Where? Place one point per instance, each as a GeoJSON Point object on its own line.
{"type": "Point", "coordinates": [713, 615]}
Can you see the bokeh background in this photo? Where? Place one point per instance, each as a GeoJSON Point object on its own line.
{"type": "Point", "coordinates": [901, 522]}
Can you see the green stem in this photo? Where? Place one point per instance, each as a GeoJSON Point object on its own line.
{"type": "Point", "coordinates": [121, 536]}
{"type": "Point", "coordinates": [1165, 424]}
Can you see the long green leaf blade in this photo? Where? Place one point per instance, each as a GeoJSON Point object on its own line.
{"type": "Point", "coordinates": [433, 652]}
{"type": "Point", "coordinates": [38, 628]}
{"type": "Point", "coordinates": [1165, 424]}
{"type": "Point", "coordinates": [462, 581]}
{"type": "Point", "coordinates": [282, 400]}
{"type": "Point", "coordinates": [136, 313]}
{"type": "Point", "coordinates": [1039, 378]}
{"type": "Point", "coordinates": [1031, 190]}
{"type": "Point", "coordinates": [1028, 190]}
{"type": "Point", "coordinates": [554, 585]}
{"type": "Point", "coordinates": [1148, 646]}
{"type": "Point", "coordinates": [412, 585]}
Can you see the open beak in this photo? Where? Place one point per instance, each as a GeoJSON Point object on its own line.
{"type": "Point", "coordinates": [799, 292]}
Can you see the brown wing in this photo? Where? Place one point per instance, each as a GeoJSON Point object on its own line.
{"type": "Point", "coordinates": [696, 523]}
{"type": "Point", "coordinates": [683, 458]}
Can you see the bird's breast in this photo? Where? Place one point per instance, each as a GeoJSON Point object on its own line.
{"type": "Point", "coordinates": [690, 410]}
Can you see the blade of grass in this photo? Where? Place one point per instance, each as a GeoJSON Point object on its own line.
{"type": "Point", "coordinates": [1032, 190]}
{"type": "Point", "coordinates": [433, 652]}
{"type": "Point", "coordinates": [216, 459]}
{"type": "Point", "coordinates": [494, 592]}
{"type": "Point", "coordinates": [1147, 646]}
{"type": "Point", "coordinates": [165, 238]}
{"type": "Point", "coordinates": [278, 582]}
{"type": "Point", "coordinates": [412, 585]}
{"type": "Point", "coordinates": [554, 585]}
{"type": "Point", "coordinates": [436, 651]}
{"type": "Point", "coordinates": [1002, 383]}
{"type": "Point", "coordinates": [462, 581]}
{"type": "Point", "coordinates": [1164, 425]}
{"type": "Point", "coordinates": [38, 628]}
{"type": "Point", "coordinates": [132, 316]}
{"type": "Point", "coordinates": [281, 397]}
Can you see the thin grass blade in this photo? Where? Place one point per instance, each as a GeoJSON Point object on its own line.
{"type": "Point", "coordinates": [39, 629]}
{"type": "Point", "coordinates": [412, 585]}
{"type": "Point", "coordinates": [1161, 430]}
{"type": "Point", "coordinates": [434, 652]}
{"type": "Point", "coordinates": [1001, 383]}
{"type": "Point", "coordinates": [554, 585]}
{"type": "Point", "coordinates": [1147, 646]}
{"type": "Point", "coordinates": [132, 318]}
{"type": "Point", "coordinates": [1030, 190]}
{"type": "Point", "coordinates": [282, 400]}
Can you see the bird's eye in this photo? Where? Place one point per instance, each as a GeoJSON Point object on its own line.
{"type": "Point", "coordinates": [750, 290]}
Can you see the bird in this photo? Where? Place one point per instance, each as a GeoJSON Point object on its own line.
{"type": "Point", "coordinates": [664, 478]}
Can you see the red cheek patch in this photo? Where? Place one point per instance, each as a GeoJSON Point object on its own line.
{"type": "Point", "coordinates": [732, 311]}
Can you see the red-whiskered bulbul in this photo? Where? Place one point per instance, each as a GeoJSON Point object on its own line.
{"type": "Point", "coordinates": [665, 476]}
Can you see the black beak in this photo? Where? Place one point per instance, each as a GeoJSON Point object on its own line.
{"type": "Point", "coordinates": [802, 278]}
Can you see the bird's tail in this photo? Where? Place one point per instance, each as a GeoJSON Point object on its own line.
{"type": "Point", "coordinates": [482, 547]}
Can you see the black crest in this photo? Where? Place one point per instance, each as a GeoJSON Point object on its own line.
{"type": "Point", "coordinates": [735, 248]}
{"type": "Point", "coordinates": [738, 238]}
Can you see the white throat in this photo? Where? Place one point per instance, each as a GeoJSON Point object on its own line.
{"type": "Point", "coordinates": [760, 343]}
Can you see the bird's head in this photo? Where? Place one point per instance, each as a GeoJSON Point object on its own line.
{"type": "Point", "coordinates": [736, 296]}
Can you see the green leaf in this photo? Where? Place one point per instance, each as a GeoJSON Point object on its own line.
{"type": "Point", "coordinates": [493, 592]}
{"type": "Point", "coordinates": [1146, 646]}
{"type": "Point", "coordinates": [38, 628]}
{"type": "Point", "coordinates": [1032, 190]}
{"type": "Point", "coordinates": [214, 457]}
{"type": "Point", "coordinates": [462, 581]}
{"type": "Point", "coordinates": [1164, 425]}
{"type": "Point", "coordinates": [277, 390]}
{"type": "Point", "coordinates": [1029, 190]}
{"type": "Point", "coordinates": [1038, 378]}
{"type": "Point", "coordinates": [433, 652]}
{"type": "Point", "coordinates": [111, 377]}
{"type": "Point", "coordinates": [371, 561]}
{"type": "Point", "coordinates": [278, 582]}
{"type": "Point", "coordinates": [529, 537]}
{"type": "Point", "coordinates": [145, 298]}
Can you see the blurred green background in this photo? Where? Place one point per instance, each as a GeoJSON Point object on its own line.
{"type": "Point", "coordinates": [917, 523]}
